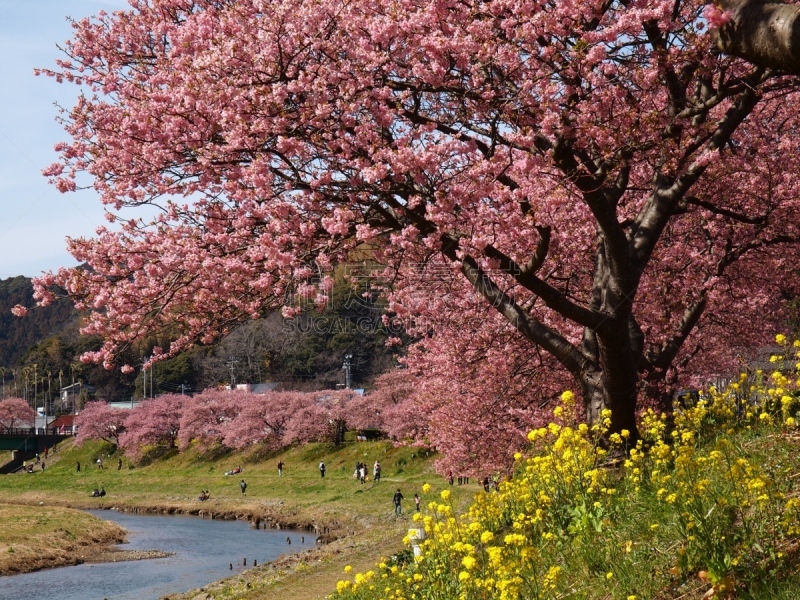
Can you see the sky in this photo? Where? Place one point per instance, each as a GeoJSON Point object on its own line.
{"type": "Point", "coordinates": [35, 218]}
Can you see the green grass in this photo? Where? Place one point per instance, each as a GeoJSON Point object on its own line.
{"type": "Point", "coordinates": [183, 475]}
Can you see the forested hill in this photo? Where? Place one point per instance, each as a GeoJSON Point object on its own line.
{"type": "Point", "coordinates": [304, 353]}
{"type": "Point", "coordinates": [19, 334]}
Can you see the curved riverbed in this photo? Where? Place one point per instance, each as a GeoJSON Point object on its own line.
{"type": "Point", "coordinates": [203, 551]}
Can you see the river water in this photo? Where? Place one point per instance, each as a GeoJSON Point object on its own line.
{"type": "Point", "coordinates": [203, 549]}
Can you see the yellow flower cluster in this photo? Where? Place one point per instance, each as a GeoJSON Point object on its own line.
{"type": "Point", "coordinates": [566, 523]}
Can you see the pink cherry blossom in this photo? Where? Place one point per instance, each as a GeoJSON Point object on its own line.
{"type": "Point", "coordinates": [557, 195]}
{"type": "Point", "coordinates": [99, 421]}
{"type": "Point", "coordinates": [715, 16]}
{"type": "Point", "coordinates": [15, 413]}
{"type": "Point", "coordinates": [154, 422]}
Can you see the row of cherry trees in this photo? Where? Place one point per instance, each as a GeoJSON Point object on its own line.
{"type": "Point", "coordinates": [238, 420]}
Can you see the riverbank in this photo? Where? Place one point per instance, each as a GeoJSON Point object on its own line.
{"type": "Point", "coordinates": [41, 537]}
{"type": "Point", "coordinates": [354, 522]}
{"type": "Point", "coordinates": [299, 576]}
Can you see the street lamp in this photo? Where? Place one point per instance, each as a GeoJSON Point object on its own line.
{"type": "Point", "coordinates": [346, 368]}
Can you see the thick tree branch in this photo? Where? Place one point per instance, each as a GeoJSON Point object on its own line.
{"type": "Point", "coordinates": [663, 358]}
{"type": "Point", "coordinates": [667, 194]}
{"type": "Point", "coordinates": [533, 330]}
{"type": "Point", "coordinates": [552, 298]}
{"type": "Point", "coordinates": [762, 32]}
{"type": "Point", "coordinates": [742, 218]}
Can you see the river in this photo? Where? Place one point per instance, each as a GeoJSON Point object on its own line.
{"type": "Point", "coordinates": [203, 549]}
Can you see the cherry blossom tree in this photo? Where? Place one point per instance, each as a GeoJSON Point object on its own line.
{"type": "Point", "coordinates": [14, 413]}
{"type": "Point", "coordinates": [99, 421]}
{"type": "Point", "coordinates": [264, 419]}
{"type": "Point", "coordinates": [154, 422]}
{"type": "Point", "coordinates": [393, 407]}
{"type": "Point", "coordinates": [206, 415]}
{"type": "Point", "coordinates": [568, 194]}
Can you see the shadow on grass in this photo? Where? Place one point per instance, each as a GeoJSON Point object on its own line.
{"type": "Point", "coordinates": [156, 453]}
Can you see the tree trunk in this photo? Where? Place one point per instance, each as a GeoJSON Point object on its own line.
{"type": "Point", "coordinates": [613, 387]}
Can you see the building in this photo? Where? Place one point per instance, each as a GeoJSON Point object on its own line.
{"type": "Point", "coordinates": [64, 424]}
{"type": "Point", "coordinates": [72, 394]}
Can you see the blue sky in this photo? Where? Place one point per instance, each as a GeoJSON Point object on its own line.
{"type": "Point", "coordinates": [35, 218]}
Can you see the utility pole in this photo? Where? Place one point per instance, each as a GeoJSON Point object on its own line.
{"type": "Point", "coordinates": [232, 361]}
{"type": "Point", "coordinates": [48, 406]}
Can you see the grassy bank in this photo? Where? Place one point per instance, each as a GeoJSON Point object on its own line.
{"type": "Point", "coordinates": [357, 520]}
{"type": "Point", "coordinates": [46, 536]}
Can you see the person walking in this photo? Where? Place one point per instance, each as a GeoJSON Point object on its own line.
{"type": "Point", "coordinates": [322, 469]}
{"type": "Point", "coordinates": [243, 485]}
{"type": "Point", "coordinates": [416, 502]}
{"type": "Point", "coordinates": [376, 471]}
{"type": "Point", "coordinates": [280, 468]}
{"type": "Point", "coordinates": [398, 498]}
{"type": "Point", "coordinates": [119, 464]}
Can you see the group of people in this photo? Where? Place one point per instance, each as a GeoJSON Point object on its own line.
{"type": "Point", "coordinates": [204, 495]}
{"type": "Point", "coordinates": [98, 493]}
{"type": "Point", "coordinates": [361, 471]}
{"type": "Point", "coordinates": [462, 479]}
{"type": "Point", "coordinates": [398, 502]}
{"type": "Point", "coordinates": [29, 467]}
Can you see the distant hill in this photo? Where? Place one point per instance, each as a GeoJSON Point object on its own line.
{"type": "Point", "coordinates": [305, 353]}
{"type": "Point", "coordinates": [17, 335]}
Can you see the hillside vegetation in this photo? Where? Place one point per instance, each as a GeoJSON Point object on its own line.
{"type": "Point", "coordinates": [17, 335]}
{"type": "Point", "coordinates": [306, 352]}
{"type": "Point", "coordinates": [705, 504]}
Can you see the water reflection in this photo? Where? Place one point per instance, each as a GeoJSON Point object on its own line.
{"type": "Point", "coordinates": [203, 549]}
